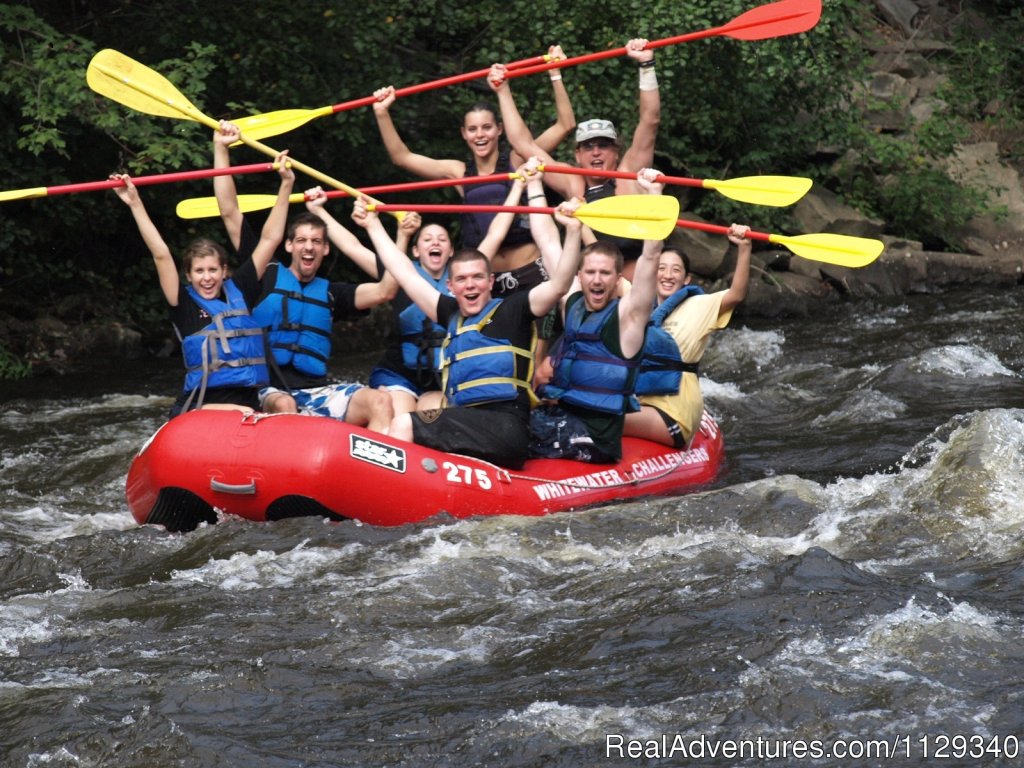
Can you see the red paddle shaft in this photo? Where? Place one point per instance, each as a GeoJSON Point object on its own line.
{"type": "Point", "coordinates": [718, 229]}
{"type": "Point", "coordinates": [787, 17]}
{"type": "Point", "coordinates": [412, 186]}
{"type": "Point", "coordinates": [159, 178]}
{"type": "Point", "coordinates": [443, 82]}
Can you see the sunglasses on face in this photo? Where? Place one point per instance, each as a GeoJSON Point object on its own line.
{"type": "Point", "coordinates": [586, 146]}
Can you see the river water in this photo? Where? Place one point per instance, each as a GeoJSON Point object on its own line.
{"type": "Point", "coordinates": [850, 587]}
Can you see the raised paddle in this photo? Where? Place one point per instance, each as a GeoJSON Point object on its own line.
{"type": "Point", "coordinates": [785, 17]}
{"type": "Point", "coordinates": [775, 191]}
{"type": "Point", "coordinates": [139, 181]}
{"type": "Point", "coordinates": [757, 190]}
{"type": "Point", "coordinates": [641, 217]}
{"type": "Point", "coordinates": [285, 120]}
{"type": "Point", "coordinates": [126, 81]}
{"type": "Point", "coordinates": [841, 250]}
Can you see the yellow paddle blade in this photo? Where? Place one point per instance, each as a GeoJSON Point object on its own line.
{"type": "Point", "coordinates": [841, 250]}
{"type": "Point", "coordinates": [135, 85]}
{"type": "Point", "coordinates": [206, 207]}
{"type": "Point", "coordinates": [641, 217]}
{"type": "Point", "coordinates": [23, 194]}
{"type": "Point", "coordinates": [126, 81]}
{"type": "Point", "coordinates": [282, 121]}
{"type": "Point", "coordinates": [777, 191]}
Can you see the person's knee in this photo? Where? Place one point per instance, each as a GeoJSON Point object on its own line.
{"type": "Point", "coordinates": [430, 401]}
{"type": "Point", "coordinates": [280, 402]}
{"type": "Point", "coordinates": [370, 407]}
{"type": "Point", "coordinates": [379, 401]}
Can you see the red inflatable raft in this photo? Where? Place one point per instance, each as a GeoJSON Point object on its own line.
{"type": "Point", "coordinates": [271, 467]}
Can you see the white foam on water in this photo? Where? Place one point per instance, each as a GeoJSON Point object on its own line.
{"type": "Point", "coordinates": [881, 317]}
{"type": "Point", "coordinates": [715, 392]}
{"type": "Point", "coordinates": [916, 650]}
{"type": "Point", "coordinates": [264, 569]}
{"type": "Point", "coordinates": [419, 652]}
{"type": "Point", "coordinates": [57, 411]}
{"type": "Point", "coordinates": [29, 458]}
{"type": "Point", "coordinates": [968, 493]}
{"type": "Point", "coordinates": [577, 724]}
{"type": "Point", "coordinates": [862, 406]}
{"type": "Point", "coordinates": [23, 621]}
{"type": "Point", "coordinates": [962, 361]}
{"type": "Point", "coordinates": [51, 523]}
{"type": "Point", "coordinates": [736, 348]}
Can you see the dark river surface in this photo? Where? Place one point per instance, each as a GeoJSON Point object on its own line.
{"type": "Point", "coordinates": [850, 591]}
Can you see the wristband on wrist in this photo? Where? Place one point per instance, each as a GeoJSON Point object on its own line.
{"type": "Point", "coordinates": [648, 80]}
{"type": "Point", "coordinates": [535, 197]}
{"type": "Point", "coordinates": [555, 78]}
{"type": "Point", "coordinates": [646, 64]}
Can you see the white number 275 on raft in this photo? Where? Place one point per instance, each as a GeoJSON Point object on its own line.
{"type": "Point", "coordinates": [459, 473]}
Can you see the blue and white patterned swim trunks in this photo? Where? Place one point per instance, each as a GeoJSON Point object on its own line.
{"type": "Point", "coordinates": [331, 400]}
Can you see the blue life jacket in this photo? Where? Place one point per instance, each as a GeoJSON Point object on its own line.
{"type": "Point", "coordinates": [422, 338]}
{"type": "Point", "coordinates": [586, 372]}
{"type": "Point", "coordinates": [630, 248]}
{"type": "Point", "coordinates": [661, 365]}
{"type": "Point", "coordinates": [297, 317]}
{"type": "Point", "coordinates": [475, 225]}
{"type": "Point", "coordinates": [229, 352]}
{"type": "Point", "coordinates": [479, 369]}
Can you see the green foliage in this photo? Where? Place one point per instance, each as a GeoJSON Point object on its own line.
{"type": "Point", "coordinates": [899, 176]}
{"type": "Point", "coordinates": [11, 367]}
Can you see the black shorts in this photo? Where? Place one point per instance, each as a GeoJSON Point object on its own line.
{"type": "Point", "coordinates": [674, 430]}
{"type": "Point", "coordinates": [522, 279]}
{"type": "Point", "coordinates": [499, 436]}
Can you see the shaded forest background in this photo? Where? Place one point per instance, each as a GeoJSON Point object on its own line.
{"type": "Point", "coordinates": [792, 106]}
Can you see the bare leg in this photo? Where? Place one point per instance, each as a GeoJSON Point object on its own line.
{"type": "Point", "coordinates": [648, 424]}
{"type": "Point", "coordinates": [402, 401]}
{"type": "Point", "coordinates": [279, 402]}
{"type": "Point", "coordinates": [430, 401]}
{"type": "Point", "coordinates": [226, 407]}
{"type": "Point", "coordinates": [371, 408]}
{"type": "Point", "coordinates": [401, 427]}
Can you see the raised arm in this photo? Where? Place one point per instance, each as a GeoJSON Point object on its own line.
{"type": "Point", "coordinates": [522, 141]}
{"type": "Point", "coordinates": [641, 151]}
{"type": "Point", "coordinates": [273, 228]}
{"type": "Point", "coordinates": [344, 240]}
{"type": "Point", "coordinates": [737, 291]}
{"type": "Point", "coordinates": [635, 307]}
{"type": "Point", "coordinates": [416, 164]}
{"type": "Point", "coordinates": [166, 271]}
{"type": "Point", "coordinates": [386, 288]}
{"type": "Point", "coordinates": [565, 118]}
{"type": "Point", "coordinates": [422, 293]}
{"type": "Point", "coordinates": [380, 292]}
{"type": "Point", "coordinates": [546, 295]}
{"type": "Point", "coordinates": [543, 229]}
{"type": "Point", "coordinates": [407, 229]}
{"type": "Point", "coordinates": [224, 186]}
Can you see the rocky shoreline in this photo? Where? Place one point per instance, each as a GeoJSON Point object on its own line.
{"type": "Point", "coordinates": [906, 75]}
